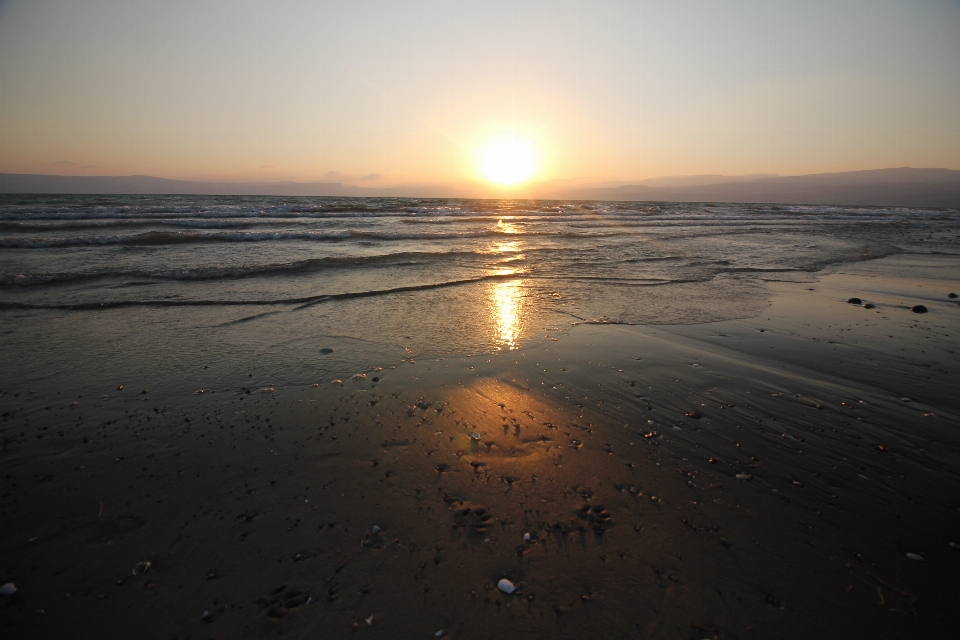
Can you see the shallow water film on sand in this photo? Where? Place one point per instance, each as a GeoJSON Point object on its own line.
{"type": "Point", "coordinates": [249, 417]}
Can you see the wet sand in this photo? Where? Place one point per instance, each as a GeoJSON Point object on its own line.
{"type": "Point", "coordinates": [754, 478]}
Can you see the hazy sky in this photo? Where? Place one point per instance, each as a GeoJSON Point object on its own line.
{"type": "Point", "coordinates": [388, 92]}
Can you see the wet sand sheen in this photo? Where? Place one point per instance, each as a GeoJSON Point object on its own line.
{"type": "Point", "coordinates": [616, 448]}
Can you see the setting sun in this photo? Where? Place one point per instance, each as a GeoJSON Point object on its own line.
{"type": "Point", "coordinates": [507, 161]}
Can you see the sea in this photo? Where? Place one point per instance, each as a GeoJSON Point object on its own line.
{"type": "Point", "coordinates": [317, 284]}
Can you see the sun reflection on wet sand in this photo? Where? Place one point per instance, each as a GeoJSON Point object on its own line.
{"type": "Point", "coordinates": [507, 313]}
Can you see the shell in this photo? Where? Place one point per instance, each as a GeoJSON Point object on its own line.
{"type": "Point", "coordinates": [506, 586]}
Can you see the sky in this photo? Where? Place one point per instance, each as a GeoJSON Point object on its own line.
{"type": "Point", "coordinates": [394, 92]}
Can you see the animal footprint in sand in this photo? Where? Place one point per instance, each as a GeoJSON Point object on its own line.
{"type": "Point", "coordinates": [280, 602]}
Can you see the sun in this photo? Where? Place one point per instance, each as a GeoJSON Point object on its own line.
{"type": "Point", "coordinates": [507, 161]}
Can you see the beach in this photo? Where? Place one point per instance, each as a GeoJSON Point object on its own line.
{"type": "Point", "coordinates": [652, 420]}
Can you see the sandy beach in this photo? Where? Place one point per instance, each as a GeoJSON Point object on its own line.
{"type": "Point", "coordinates": [786, 475]}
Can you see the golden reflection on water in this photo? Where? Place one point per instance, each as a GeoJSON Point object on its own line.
{"type": "Point", "coordinates": [506, 309]}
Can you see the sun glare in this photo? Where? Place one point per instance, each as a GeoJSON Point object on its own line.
{"type": "Point", "coordinates": [507, 161]}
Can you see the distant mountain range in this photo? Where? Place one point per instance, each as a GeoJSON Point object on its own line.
{"type": "Point", "coordinates": [881, 187]}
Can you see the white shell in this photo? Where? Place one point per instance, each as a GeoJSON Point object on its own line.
{"type": "Point", "coordinates": [475, 435]}
{"type": "Point", "coordinates": [743, 476]}
{"type": "Point", "coordinates": [526, 537]}
{"type": "Point", "coordinates": [506, 586]}
{"type": "Point", "coordinates": [8, 589]}
{"type": "Point", "coordinates": [915, 556]}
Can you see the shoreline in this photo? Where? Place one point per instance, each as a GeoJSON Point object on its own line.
{"type": "Point", "coordinates": [636, 527]}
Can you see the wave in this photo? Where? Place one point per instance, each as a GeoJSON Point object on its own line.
{"type": "Point", "coordinates": [299, 303]}
{"type": "Point", "coordinates": [183, 237]}
{"type": "Point", "coordinates": [400, 259]}
{"type": "Point", "coordinates": [126, 223]}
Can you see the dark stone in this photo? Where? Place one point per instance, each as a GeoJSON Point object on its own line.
{"type": "Point", "coordinates": [918, 309]}
{"type": "Point", "coordinates": [855, 301]}
{"type": "Point", "coordinates": [951, 295]}
{"type": "Point", "coordinates": [869, 306]}
{"type": "Point", "coordinates": [326, 350]}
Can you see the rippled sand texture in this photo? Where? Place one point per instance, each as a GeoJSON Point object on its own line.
{"type": "Point", "coordinates": [754, 478]}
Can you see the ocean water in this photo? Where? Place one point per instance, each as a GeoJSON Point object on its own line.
{"type": "Point", "coordinates": [98, 278]}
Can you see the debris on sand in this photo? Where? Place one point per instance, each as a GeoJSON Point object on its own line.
{"type": "Point", "coordinates": [359, 376]}
{"type": "Point", "coordinates": [915, 556]}
{"type": "Point", "coordinates": [337, 383]}
{"type": "Point", "coordinates": [743, 476]}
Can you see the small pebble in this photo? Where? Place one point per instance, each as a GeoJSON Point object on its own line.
{"type": "Point", "coordinates": [375, 530]}
{"type": "Point", "coordinates": [506, 586]}
{"type": "Point", "coordinates": [8, 589]}
{"type": "Point", "coordinates": [951, 295]}
{"type": "Point", "coordinates": [359, 376]}
{"type": "Point", "coordinates": [855, 301]}
{"type": "Point", "coordinates": [915, 556]}
{"type": "Point", "coordinates": [337, 383]}
{"type": "Point", "coordinates": [475, 435]}
{"type": "Point", "coordinates": [438, 634]}
{"type": "Point", "coordinates": [869, 306]}
{"type": "Point", "coordinates": [526, 537]}
{"type": "Point", "coordinates": [326, 350]}
{"type": "Point", "coordinates": [919, 308]}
